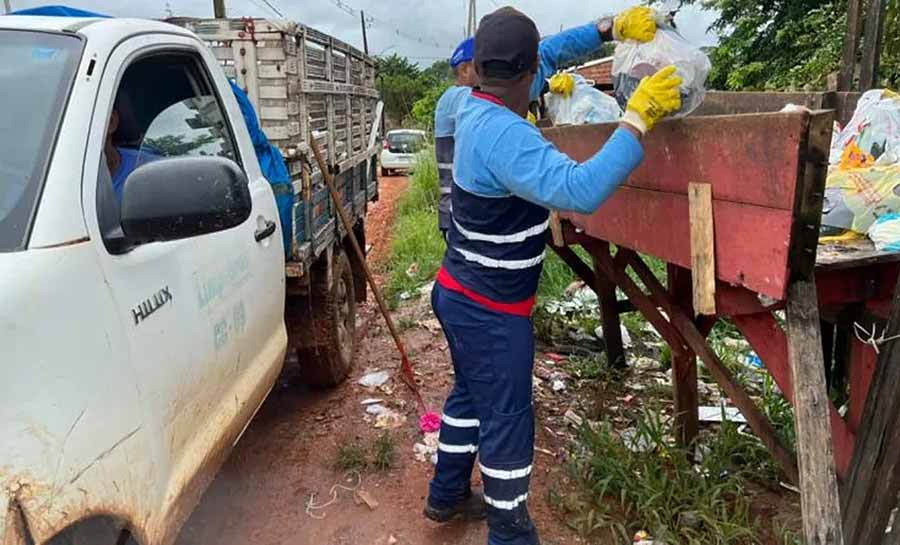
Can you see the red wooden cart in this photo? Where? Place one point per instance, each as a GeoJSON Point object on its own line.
{"type": "Point", "coordinates": [766, 169]}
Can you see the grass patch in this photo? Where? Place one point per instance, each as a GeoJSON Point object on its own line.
{"type": "Point", "coordinates": [351, 457]}
{"type": "Point", "coordinates": [417, 247]}
{"type": "Point", "coordinates": [424, 189]}
{"type": "Point", "coordinates": [380, 454]}
{"type": "Point", "coordinates": [405, 323]}
{"type": "Point", "coordinates": [645, 482]}
{"type": "Point", "coordinates": [557, 276]}
{"type": "Point", "coordinates": [384, 452]}
{"type": "Point", "coordinates": [592, 367]}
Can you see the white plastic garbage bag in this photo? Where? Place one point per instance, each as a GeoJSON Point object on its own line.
{"type": "Point", "coordinates": [873, 134]}
{"type": "Point", "coordinates": [885, 233]}
{"type": "Point", "coordinates": [634, 60]}
{"type": "Point", "coordinates": [585, 105]}
{"type": "Point", "coordinates": [863, 182]}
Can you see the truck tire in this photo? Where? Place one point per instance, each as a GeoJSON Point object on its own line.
{"type": "Point", "coordinates": [385, 172]}
{"type": "Point", "coordinates": [322, 326]}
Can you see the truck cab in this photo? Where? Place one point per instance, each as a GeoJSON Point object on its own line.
{"type": "Point", "coordinates": [143, 279]}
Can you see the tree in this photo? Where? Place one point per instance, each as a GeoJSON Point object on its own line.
{"type": "Point", "coordinates": [403, 85]}
{"type": "Point", "coordinates": [438, 73]}
{"type": "Point", "coordinates": [395, 65]}
{"type": "Point", "coordinates": [786, 44]}
{"type": "Point", "coordinates": [424, 108]}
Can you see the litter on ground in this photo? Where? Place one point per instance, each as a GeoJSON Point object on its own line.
{"type": "Point", "coordinates": [716, 414]}
{"type": "Point", "coordinates": [427, 448]}
{"type": "Point", "coordinates": [374, 379]}
{"type": "Point", "coordinates": [389, 420]}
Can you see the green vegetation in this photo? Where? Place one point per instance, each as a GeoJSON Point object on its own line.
{"type": "Point", "coordinates": [356, 456]}
{"type": "Point", "coordinates": [590, 367]}
{"type": "Point", "coordinates": [416, 247]}
{"type": "Point", "coordinates": [384, 452]}
{"type": "Point", "coordinates": [788, 44]}
{"type": "Point", "coordinates": [409, 92]}
{"type": "Point", "coordinates": [351, 457]}
{"type": "Point", "coordinates": [643, 481]}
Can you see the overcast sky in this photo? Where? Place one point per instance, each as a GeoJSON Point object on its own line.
{"type": "Point", "coordinates": [423, 30]}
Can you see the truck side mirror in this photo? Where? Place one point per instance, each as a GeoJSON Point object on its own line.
{"type": "Point", "coordinates": [183, 197]}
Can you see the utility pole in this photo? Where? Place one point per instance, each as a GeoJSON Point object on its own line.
{"type": "Point", "coordinates": [472, 20]}
{"type": "Point", "coordinates": [362, 20]}
{"type": "Point", "coordinates": [219, 9]}
{"type": "Point", "coordinates": [7, 6]}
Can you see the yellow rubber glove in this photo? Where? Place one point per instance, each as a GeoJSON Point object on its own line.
{"type": "Point", "coordinates": [638, 23]}
{"type": "Point", "coordinates": [562, 84]}
{"type": "Point", "coordinates": [655, 97]}
{"type": "Point", "coordinates": [531, 118]}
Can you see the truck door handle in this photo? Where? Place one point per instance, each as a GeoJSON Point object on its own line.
{"type": "Point", "coordinates": [265, 232]}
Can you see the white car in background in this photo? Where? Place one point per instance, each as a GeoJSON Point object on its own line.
{"type": "Point", "coordinates": [400, 149]}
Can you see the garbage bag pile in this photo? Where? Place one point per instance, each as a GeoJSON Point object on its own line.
{"type": "Point", "coordinates": [633, 61]}
{"type": "Point", "coordinates": [573, 100]}
{"type": "Point", "coordinates": [862, 193]}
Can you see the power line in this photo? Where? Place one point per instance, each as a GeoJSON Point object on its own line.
{"type": "Point", "coordinates": [274, 9]}
{"type": "Point", "coordinates": [266, 4]}
{"type": "Point", "coordinates": [371, 20]}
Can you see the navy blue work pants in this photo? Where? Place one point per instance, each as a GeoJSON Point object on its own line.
{"type": "Point", "coordinates": [489, 414]}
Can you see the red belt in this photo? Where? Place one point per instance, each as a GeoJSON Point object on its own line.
{"type": "Point", "coordinates": [522, 308]}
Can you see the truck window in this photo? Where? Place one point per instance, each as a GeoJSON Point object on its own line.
{"type": "Point", "coordinates": [36, 74]}
{"type": "Point", "coordinates": [165, 107]}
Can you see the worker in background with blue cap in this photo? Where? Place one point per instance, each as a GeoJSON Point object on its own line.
{"type": "Point", "coordinates": [506, 176]}
{"type": "Point", "coordinates": [445, 124]}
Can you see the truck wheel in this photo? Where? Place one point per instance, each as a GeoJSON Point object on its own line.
{"type": "Point", "coordinates": [384, 172]}
{"type": "Point", "coordinates": [323, 326]}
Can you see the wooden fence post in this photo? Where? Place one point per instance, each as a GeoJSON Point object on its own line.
{"type": "Point", "coordinates": [815, 455]}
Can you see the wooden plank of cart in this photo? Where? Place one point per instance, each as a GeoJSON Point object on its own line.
{"type": "Point", "coordinates": [766, 169]}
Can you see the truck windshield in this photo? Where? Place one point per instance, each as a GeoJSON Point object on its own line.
{"type": "Point", "coordinates": [35, 75]}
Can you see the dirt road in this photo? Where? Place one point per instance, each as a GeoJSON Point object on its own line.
{"type": "Point", "coordinates": [288, 454]}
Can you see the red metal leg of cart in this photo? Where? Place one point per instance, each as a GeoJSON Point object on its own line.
{"type": "Point", "coordinates": [863, 361]}
{"type": "Point", "coordinates": [769, 341]}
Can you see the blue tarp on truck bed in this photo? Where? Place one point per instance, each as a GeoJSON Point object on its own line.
{"type": "Point", "coordinates": [273, 167]}
{"type": "Point", "coordinates": [58, 11]}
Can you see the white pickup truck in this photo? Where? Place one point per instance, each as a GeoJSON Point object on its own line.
{"type": "Point", "coordinates": [143, 281]}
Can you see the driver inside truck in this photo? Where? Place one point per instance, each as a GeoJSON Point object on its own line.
{"type": "Point", "coordinates": [122, 148]}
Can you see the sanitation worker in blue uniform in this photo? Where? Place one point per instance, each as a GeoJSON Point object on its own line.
{"type": "Point", "coordinates": [558, 50]}
{"type": "Point", "coordinates": [505, 178]}
{"type": "Point", "coordinates": [445, 124]}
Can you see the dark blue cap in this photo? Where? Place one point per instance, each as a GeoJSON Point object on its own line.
{"type": "Point", "coordinates": [507, 44]}
{"type": "Point", "coordinates": [464, 53]}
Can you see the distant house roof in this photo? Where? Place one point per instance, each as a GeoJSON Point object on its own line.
{"type": "Point", "coordinates": [600, 71]}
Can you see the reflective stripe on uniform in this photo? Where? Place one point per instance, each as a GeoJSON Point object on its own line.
{"type": "Point", "coordinates": [446, 190]}
{"type": "Point", "coordinates": [460, 422]}
{"type": "Point", "coordinates": [445, 166]}
{"type": "Point", "coordinates": [458, 449]}
{"type": "Point", "coordinates": [502, 239]}
{"type": "Point", "coordinates": [506, 505]}
{"type": "Point", "coordinates": [505, 474]}
{"type": "Point", "coordinates": [509, 264]}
